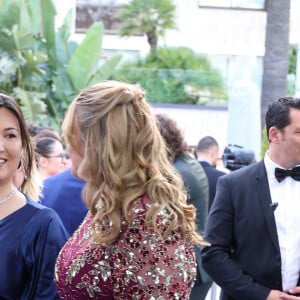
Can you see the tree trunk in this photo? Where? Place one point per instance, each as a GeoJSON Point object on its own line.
{"type": "Point", "coordinates": [276, 59]}
{"type": "Point", "coordinates": [152, 41]}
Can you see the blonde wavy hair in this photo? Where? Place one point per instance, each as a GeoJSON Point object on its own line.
{"type": "Point", "coordinates": [125, 157]}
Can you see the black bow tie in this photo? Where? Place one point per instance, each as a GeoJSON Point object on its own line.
{"type": "Point", "coordinates": [280, 174]}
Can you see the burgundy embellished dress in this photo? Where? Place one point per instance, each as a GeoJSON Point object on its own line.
{"type": "Point", "coordinates": [138, 265]}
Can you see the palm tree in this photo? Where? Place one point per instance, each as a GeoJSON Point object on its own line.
{"type": "Point", "coordinates": [276, 60]}
{"type": "Point", "coordinates": [150, 17]}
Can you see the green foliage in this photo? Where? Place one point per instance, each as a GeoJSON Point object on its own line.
{"type": "Point", "coordinates": [79, 74]}
{"type": "Point", "coordinates": [31, 104]}
{"type": "Point", "coordinates": [40, 65]}
{"type": "Point", "coordinates": [291, 78]}
{"type": "Point", "coordinates": [149, 17]}
{"type": "Point", "coordinates": [264, 143]}
{"type": "Point", "coordinates": [292, 59]}
{"type": "Point", "coordinates": [176, 75]}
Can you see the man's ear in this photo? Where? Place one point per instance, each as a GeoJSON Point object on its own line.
{"type": "Point", "coordinates": [274, 135]}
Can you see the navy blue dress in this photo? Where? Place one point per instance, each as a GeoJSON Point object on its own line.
{"type": "Point", "coordinates": [30, 240]}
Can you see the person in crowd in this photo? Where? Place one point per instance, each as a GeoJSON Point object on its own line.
{"type": "Point", "coordinates": [196, 184]}
{"type": "Point", "coordinates": [36, 130]}
{"type": "Point", "coordinates": [254, 220]}
{"type": "Point", "coordinates": [62, 192]}
{"type": "Point", "coordinates": [31, 235]}
{"type": "Point", "coordinates": [68, 164]}
{"type": "Point", "coordinates": [137, 240]}
{"type": "Point", "coordinates": [192, 174]}
{"type": "Point", "coordinates": [220, 162]}
{"type": "Point", "coordinates": [207, 153]}
{"type": "Point", "coordinates": [51, 157]}
{"type": "Point", "coordinates": [33, 186]}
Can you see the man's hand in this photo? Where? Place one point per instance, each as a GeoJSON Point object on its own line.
{"type": "Point", "coordinates": [278, 295]}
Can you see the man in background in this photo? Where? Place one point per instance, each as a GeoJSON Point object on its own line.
{"type": "Point", "coordinates": [196, 184]}
{"type": "Point", "coordinates": [207, 153]}
{"type": "Point", "coordinates": [62, 192]}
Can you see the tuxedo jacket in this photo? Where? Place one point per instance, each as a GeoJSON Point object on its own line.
{"type": "Point", "coordinates": [244, 256]}
{"type": "Point", "coordinates": [212, 175]}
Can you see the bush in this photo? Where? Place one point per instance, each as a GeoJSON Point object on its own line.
{"type": "Point", "coordinates": [175, 75]}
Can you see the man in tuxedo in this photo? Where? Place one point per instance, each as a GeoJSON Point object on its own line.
{"type": "Point", "coordinates": [207, 153]}
{"type": "Point", "coordinates": [253, 225]}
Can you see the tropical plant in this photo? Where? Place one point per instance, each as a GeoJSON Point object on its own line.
{"type": "Point", "coordinates": [41, 66]}
{"type": "Point", "coordinates": [291, 78]}
{"type": "Point", "coordinates": [293, 59]}
{"type": "Point", "coordinates": [176, 75]}
{"type": "Point", "coordinates": [149, 17]}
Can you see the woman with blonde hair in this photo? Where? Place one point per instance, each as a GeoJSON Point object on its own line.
{"type": "Point", "coordinates": [137, 241]}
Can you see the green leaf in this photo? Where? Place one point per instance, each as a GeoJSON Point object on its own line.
{"type": "Point", "coordinates": [35, 15]}
{"type": "Point", "coordinates": [86, 57]}
{"type": "Point", "coordinates": [9, 13]}
{"type": "Point", "coordinates": [63, 89]}
{"type": "Point", "coordinates": [106, 70]}
{"type": "Point", "coordinates": [48, 22]}
{"type": "Point", "coordinates": [21, 30]}
{"type": "Point", "coordinates": [64, 48]}
{"type": "Point", "coordinates": [23, 38]}
{"type": "Point", "coordinates": [7, 43]}
{"type": "Point", "coordinates": [33, 62]}
{"type": "Point", "coordinates": [32, 106]}
{"type": "Point", "coordinates": [66, 28]}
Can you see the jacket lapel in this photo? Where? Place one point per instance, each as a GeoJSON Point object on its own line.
{"type": "Point", "coordinates": [265, 201]}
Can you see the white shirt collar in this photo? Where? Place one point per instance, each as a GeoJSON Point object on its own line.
{"type": "Point", "coordinates": [270, 166]}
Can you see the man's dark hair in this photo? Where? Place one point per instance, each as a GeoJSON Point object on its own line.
{"type": "Point", "coordinates": [206, 143]}
{"type": "Point", "coordinates": [278, 114]}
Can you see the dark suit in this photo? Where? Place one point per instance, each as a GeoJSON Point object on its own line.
{"type": "Point", "coordinates": [244, 257]}
{"type": "Point", "coordinates": [196, 184]}
{"type": "Point", "coordinates": [212, 175]}
{"type": "Point", "coordinates": [62, 192]}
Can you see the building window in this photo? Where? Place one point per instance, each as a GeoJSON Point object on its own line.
{"type": "Point", "coordinates": [238, 4]}
{"type": "Point", "coordinates": [105, 11]}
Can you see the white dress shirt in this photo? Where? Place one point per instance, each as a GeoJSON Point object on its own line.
{"type": "Point", "coordinates": [287, 217]}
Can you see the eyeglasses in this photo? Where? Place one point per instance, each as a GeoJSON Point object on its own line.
{"type": "Point", "coordinates": [62, 156]}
